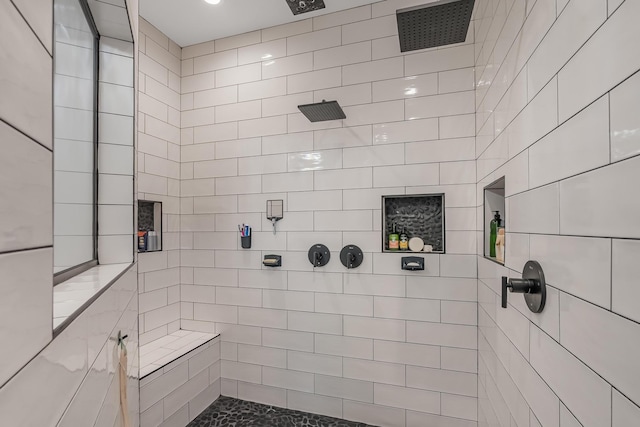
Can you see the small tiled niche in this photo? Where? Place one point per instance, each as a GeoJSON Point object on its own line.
{"type": "Point", "coordinates": [421, 215]}
{"type": "Point", "coordinates": [149, 226]}
{"type": "Point", "coordinates": [493, 201]}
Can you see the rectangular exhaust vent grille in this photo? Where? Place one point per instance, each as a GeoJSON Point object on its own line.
{"type": "Point", "coordinates": [304, 6]}
{"type": "Point", "coordinates": [322, 111]}
{"type": "Point", "coordinates": [435, 24]}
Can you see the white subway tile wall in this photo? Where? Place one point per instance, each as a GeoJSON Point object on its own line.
{"type": "Point", "coordinates": [378, 344]}
{"type": "Point", "coordinates": [35, 370]}
{"type": "Point", "coordinates": [88, 393]}
{"type": "Point", "coordinates": [159, 174]}
{"type": "Point", "coordinates": [320, 340]}
{"type": "Point", "coordinates": [116, 154]}
{"type": "Point", "coordinates": [556, 108]}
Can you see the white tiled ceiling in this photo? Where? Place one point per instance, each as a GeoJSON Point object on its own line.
{"type": "Point", "coordinates": [188, 22]}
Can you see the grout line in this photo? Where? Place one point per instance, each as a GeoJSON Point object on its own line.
{"type": "Point", "coordinates": [17, 9]}
{"type": "Point", "coordinates": [2, 121]}
{"type": "Point", "coordinates": [612, 388]}
{"type": "Point", "coordinates": [572, 176]}
{"type": "Point", "coordinates": [35, 248]}
{"type": "Point", "coordinates": [609, 123]}
{"type": "Point", "coordinates": [610, 308]}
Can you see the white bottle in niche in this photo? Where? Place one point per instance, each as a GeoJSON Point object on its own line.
{"type": "Point", "coordinates": [152, 245]}
{"type": "Point", "coordinates": [500, 240]}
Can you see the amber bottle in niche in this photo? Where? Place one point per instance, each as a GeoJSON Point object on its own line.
{"type": "Point", "coordinates": [404, 240]}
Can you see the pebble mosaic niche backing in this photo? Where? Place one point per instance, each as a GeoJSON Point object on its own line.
{"type": "Point", "coordinates": [422, 216]}
{"type": "Point", "coordinates": [145, 215]}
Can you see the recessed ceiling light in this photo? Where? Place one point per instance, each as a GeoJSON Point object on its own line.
{"type": "Point", "coordinates": [212, 1]}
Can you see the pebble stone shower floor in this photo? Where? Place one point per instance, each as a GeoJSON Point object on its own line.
{"type": "Point", "coordinates": [227, 411]}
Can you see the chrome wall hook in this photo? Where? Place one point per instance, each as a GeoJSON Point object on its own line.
{"type": "Point", "coordinates": [121, 339]}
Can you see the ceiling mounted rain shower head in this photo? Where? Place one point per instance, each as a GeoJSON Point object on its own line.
{"type": "Point", "coordinates": [304, 6]}
{"type": "Point", "coordinates": [322, 111]}
{"type": "Point", "coordinates": [434, 24]}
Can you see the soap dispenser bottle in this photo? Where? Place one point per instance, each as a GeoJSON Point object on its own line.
{"type": "Point", "coordinates": [494, 224]}
{"type": "Point", "coordinates": [394, 238]}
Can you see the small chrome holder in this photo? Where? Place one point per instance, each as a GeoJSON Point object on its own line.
{"type": "Point", "coordinates": [272, 261]}
{"type": "Point", "coordinates": [412, 263]}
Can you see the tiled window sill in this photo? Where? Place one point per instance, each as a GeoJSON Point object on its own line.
{"type": "Point", "coordinates": [70, 296]}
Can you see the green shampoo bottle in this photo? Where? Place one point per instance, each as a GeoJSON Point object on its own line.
{"type": "Point", "coordinates": [394, 238]}
{"type": "Point", "coordinates": [494, 224]}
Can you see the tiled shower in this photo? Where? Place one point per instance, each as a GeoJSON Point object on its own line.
{"type": "Point", "coordinates": [375, 344]}
{"type": "Point", "coordinates": [543, 93]}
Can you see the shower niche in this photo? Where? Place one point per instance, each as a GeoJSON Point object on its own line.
{"type": "Point", "coordinates": [494, 202]}
{"type": "Point", "coordinates": [149, 237]}
{"type": "Point", "coordinates": [420, 216]}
